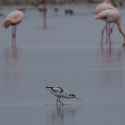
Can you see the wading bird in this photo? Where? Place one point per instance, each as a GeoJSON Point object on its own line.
{"type": "Point", "coordinates": [60, 93]}
{"type": "Point", "coordinates": [102, 7]}
{"type": "Point", "coordinates": [111, 16]}
{"type": "Point", "coordinates": [14, 18]}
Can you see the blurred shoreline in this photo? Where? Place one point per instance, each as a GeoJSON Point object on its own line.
{"type": "Point", "coordinates": [53, 2]}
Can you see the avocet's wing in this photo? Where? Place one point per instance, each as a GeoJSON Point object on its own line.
{"type": "Point", "coordinates": [55, 89]}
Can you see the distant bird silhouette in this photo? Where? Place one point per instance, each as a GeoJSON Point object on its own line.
{"type": "Point", "coordinates": [55, 9]}
{"type": "Point", "coordinates": [40, 9]}
{"type": "Point", "coordinates": [114, 4]}
{"type": "Point", "coordinates": [121, 4]}
{"type": "Point", "coordinates": [14, 18]}
{"type": "Point", "coordinates": [66, 11]}
{"type": "Point", "coordinates": [111, 16]}
{"type": "Point", "coordinates": [71, 12]}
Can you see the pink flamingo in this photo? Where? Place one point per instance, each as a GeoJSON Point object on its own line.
{"type": "Point", "coordinates": [104, 6]}
{"type": "Point", "coordinates": [111, 16]}
{"type": "Point", "coordinates": [13, 18]}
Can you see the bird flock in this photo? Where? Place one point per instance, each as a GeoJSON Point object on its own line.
{"type": "Point", "coordinates": [104, 11]}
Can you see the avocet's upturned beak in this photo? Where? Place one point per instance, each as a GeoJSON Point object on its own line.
{"type": "Point", "coordinates": [78, 98]}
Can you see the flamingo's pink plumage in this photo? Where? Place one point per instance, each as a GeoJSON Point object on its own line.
{"type": "Point", "coordinates": [13, 18]}
{"type": "Point", "coordinates": [102, 7]}
{"type": "Point", "coordinates": [112, 16]}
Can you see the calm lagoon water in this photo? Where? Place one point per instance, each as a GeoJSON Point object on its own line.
{"type": "Point", "coordinates": [67, 54]}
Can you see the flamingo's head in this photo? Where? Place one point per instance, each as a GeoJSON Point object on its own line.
{"type": "Point", "coordinates": [6, 23]}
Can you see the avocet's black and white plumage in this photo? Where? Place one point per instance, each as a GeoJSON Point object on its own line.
{"type": "Point", "coordinates": [61, 93]}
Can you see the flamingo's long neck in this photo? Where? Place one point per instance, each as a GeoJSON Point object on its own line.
{"type": "Point", "coordinates": [120, 29]}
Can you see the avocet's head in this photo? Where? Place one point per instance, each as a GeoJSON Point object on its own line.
{"type": "Point", "coordinates": [73, 96]}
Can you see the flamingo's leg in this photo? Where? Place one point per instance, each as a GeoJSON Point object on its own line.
{"type": "Point", "coordinates": [15, 36]}
{"type": "Point", "coordinates": [14, 31]}
{"type": "Point", "coordinates": [109, 36]}
{"type": "Point", "coordinates": [103, 33]}
{"type": "Point", "coordinates": [112, 27]}
{"type": "Point", "coordinates": [12, 36]}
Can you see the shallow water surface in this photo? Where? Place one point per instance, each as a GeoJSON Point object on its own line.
{"type": "Point", "coordinates": [66, 54]}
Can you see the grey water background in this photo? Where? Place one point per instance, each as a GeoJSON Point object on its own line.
{"type": "Point", "coordinates": [66, 54]}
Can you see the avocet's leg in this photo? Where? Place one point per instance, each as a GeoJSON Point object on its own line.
{"type": "Point", "coordinates": [57, 101]}
{"type": "Point", "coordinates": [60, 102]}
